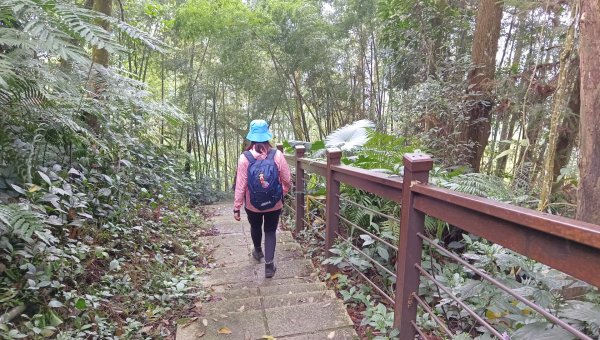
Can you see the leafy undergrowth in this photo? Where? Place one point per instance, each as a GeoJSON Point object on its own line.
{"type": "Point", "coordinates": [123, 282]}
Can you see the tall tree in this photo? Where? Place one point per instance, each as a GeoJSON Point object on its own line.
{"type": "Point", "coordinates": [100, 55]}
{"type": "Point", "coordinates": [588, 195]}
{"type": "Point", "coordinates": [481, 77]}
{"type": "Point", "coordinates": [561, 98]}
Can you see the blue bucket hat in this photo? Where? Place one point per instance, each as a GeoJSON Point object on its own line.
{"type": "Point", "coordinates": [259, 131]}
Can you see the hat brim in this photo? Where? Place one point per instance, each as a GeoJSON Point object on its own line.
{"type": "Point", "coordinates": [259, 137]}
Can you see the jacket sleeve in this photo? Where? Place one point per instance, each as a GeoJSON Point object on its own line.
{"type": "Point", "coordinates": [284, 172]}
{"type": "Point", "coordinates": [241, 183]}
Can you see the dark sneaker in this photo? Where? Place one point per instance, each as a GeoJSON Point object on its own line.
{"type": "Point", "coordinates": [257, 254]}
{"type": "Point", "coordinates": [270, 270]}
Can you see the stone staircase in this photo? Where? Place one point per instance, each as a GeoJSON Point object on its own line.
{"type": "Point", "coordinates": [245, 305]}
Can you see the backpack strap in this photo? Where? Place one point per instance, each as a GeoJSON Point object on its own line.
{"type": "Point", "coordinates": [271, 154]}
{"type": "Point", "coordinates": [250, 157]}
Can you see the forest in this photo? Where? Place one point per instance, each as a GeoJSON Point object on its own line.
{"type": "Point", "coordinates": [120, 119]}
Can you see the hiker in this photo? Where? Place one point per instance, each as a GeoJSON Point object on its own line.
{"type": "Point", "coordinates": [263, 179]}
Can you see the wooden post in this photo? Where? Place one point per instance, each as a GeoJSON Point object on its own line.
{"type": "Point", "coordinates": [332, 203]}
{"type": "Point", "coordinates": [300, 150]}
{"type": "Point", "coordinates": [416, 169]}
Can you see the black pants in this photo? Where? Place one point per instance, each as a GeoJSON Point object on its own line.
{"type": "Point", "coordinates": [270, 220]}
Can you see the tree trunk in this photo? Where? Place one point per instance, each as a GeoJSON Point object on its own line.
{"type": "Point", "coordinates": [162, 97]}
{"type": "Point", "coordinates": [216, 132]}
{"type": "Point", "coordinates": [299, 118]}
{"type": "Point", "coordinates": [480, 79]}
{"type": "Point", "coordinates": [561, 97]}
{"type": "Point", "coordinates": [568, 131]}
{"type": "Point", "coordinates": [100, 55]}
{"type": "Point", "coordinates": [225, 153]}
{"type": "Point", "coordinates": [588, 195]}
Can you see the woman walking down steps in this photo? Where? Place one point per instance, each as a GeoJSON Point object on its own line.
{"type": "Point", "coordinates": [263, 179]}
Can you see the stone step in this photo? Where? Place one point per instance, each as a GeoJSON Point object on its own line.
{"type": "Point", "coordinates": [311, 318]}
{"type": "Point", "coordinates": [275, 301]}
{"type": "Point", "coordinates": [226, 240]}
{"type": "Point", "coordinates": [266, 302]}
{"type": "Point", "coordinates": [271, 288]}
{"type": "Point", "coordinates": [232, 228]}
{"type": "Point", "coordinates": [344, 333]}
{"type": "Point", "coordinates": [234, 256]}
{"type": "Point", "coordinates": [240, 240]}
{"type": "Point", "coordinates": [244, 325]}
{"type": "Point", "coordinates": [255, 272]}
{"type": "Point", "coordinates": [307, 318]}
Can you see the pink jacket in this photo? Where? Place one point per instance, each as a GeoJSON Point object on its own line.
{"type": "Point", "coordinates": [242, 194]}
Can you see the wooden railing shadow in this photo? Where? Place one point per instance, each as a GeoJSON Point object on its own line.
{"type": "Point", "coordinates": [570, 246]}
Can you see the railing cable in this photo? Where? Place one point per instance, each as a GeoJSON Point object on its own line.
{"type": "Point", "coordinates": [461, 303]}
{"type": "Point", "coordinates": [387, 297]}
{"type": "Point", "coordinates": [431, 312]}
{"type": "Point", "coordinates": [500, 285]}
{"type": "Point", "coordinates": [425, 337]}
{"type": "Point", "coordinates": [375, 262]}
{"type": "Point", "coordinates": [367, 232]}
{"type": "Point", "coordinates": [389, 217]}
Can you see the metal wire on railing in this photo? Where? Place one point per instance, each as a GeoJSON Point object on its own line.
{"type": "Point", "coordinates": [505, 288]}
{"type": "Point", "coordinates": [361, 206]}
{"type": "Point", "coordinates": [384, 294]}
{"type": "Point", "coordinates": [352, 224]}
{"type": "Point", "coordinates": [375, 262]}
{"type": "Point", "coordinates": [421, 334]}
{"type": "Point", "coordinates": [321, 204]}
{"type": "Point", "coordinates": [289, 207]}
{"type": "Point", "coordinates": [428, 309]}
{"type": "Point", "coordinates": [468, 309]}
{"type": "Point", "coordinates": [308, 223]}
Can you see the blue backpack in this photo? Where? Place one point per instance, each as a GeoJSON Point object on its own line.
{"type": "Point", "coordinates": [263, 181]}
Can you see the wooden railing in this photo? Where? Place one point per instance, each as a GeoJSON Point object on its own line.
{"type": "Point", "coordinates": [570, 246]}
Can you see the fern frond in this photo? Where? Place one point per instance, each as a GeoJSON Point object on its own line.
{"type": "Point", "coordinates": [23, 93]}
{"type": "Point", "coordinates": [13, 38]}
{"type": "Point", "coordinates": [19, 222]}
{"type": "Point", "coordinates": [140, 35]}
{"type": "Point", "coordinates": [76, 19]}
{"type": "Point", "coordinates": [392, 227]}
{"type": "Point", "coordinates": [350, 136]}
{"type": "Point", "coordinates": [7, 71]}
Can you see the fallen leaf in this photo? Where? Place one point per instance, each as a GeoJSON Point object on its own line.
{"type": "Point", "coordinates": [200, 334]}
{"type": "Point", "coordinates": [241, 309]}
{"type": "Point", "coordinates": [334, 276]}
{"type": "Point", "coordinates": [224, 330]}
{"type": "Point", "coordinates": [327, 305]}
{"type": "Point", "coordinates": [223, 316]}
{"type": "Point", "coordinates": [331, 335]}
{"type": "Point", "coordinates": [205, 322]}
{"type": "Point", "coordinates": [268, 337]}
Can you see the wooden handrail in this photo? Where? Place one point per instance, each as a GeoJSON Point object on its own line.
{"type": "Point", "coordinates": [570, 229]}
{"type": "Point", "coordinates": [565, 244]}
